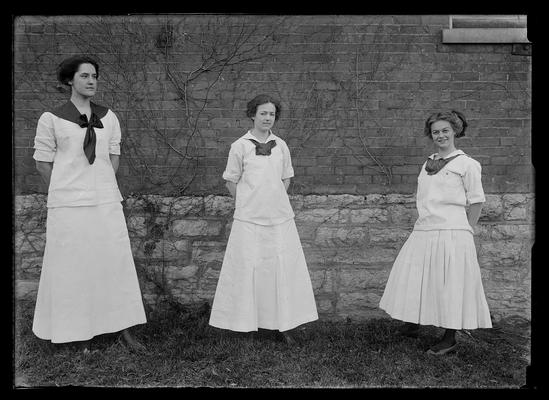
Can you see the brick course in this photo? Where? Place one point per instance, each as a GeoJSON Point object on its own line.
{"type": "Point", "coordinates": [316, 65]}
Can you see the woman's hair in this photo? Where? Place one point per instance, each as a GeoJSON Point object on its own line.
{"type": "Point", "coordinates": [455, 118]}
{"type": "Point", "coordinates": [69, 67]}
{"type": "Point", "coordinates": [251, 108]}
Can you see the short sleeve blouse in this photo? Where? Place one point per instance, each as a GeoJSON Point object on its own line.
{"type": "Point", "coordinates": [75, 182]}
{"type": "Point", "coordinates": [261, 197]}
{"type": "Point", "coordinates": [442, 198]}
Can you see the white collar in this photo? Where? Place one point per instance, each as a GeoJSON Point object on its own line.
{"type": "Point", "coordinates": [453, 153]}
{"type": "Point", "coordinates": [249, 135]}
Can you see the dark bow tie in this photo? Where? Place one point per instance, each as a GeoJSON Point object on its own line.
{"type": "Point", "coordinates": [433, 166]}
{"type": "Point", "coordinates": [90, 139]}
{"type": "Point", "coordinates": [263, 149]}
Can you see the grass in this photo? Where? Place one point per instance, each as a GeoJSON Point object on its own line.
{"type": "Point", "coordinates": [184, 351]}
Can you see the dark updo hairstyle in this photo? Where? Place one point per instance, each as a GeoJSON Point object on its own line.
{"type": "Point", "coordinates": [455, 118]}
{"type": "Point", "coordinates": [251, 107]}
{"type": "Point", "coordinates": [69, 67]}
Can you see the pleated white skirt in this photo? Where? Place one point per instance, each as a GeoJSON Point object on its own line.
{"type": "Point", "coordinates": [264, 281]}
{"type": "Point", "coordinates": [435, 280]}
{"type": "Point", "coordinates": [88, 283]}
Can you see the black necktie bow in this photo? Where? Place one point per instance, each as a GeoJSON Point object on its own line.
{"type": "Point", "coordinates": [263, 149]}
{"type": "Point", "coordinates": [433, 166]}
{"type": "Point", "coordinates": [90, 138]}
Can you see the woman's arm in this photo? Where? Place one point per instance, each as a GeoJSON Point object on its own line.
{"type": "Point", "coordinates": [44, 169]}
{"type": "Point", "coordinates": [232, 188]}
{"type": "Point", "coordinates": [286, 183]}
{"type": "Point", "coordinates": [115, 161]}
{"type": "Point", "coordinates": [474, 213]}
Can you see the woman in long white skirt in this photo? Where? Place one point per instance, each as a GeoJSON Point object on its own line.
{"type": "Point", "coordinates": [88, 283]}
{"type": "Point", "coordinates": [264, 281]}
{"type": "Point", "coordinates": [435, 279]}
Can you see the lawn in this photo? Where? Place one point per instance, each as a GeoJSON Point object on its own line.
{"type": "Point", "coordinates": [182, 350]}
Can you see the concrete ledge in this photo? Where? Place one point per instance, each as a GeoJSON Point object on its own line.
{"type": "Point", "coordinates": [485, 35]}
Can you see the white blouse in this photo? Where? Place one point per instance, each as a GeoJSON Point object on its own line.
{"type": "Point", "coordinates": [74, 181]}
{"type": "Point", "coordinates": [261, 197]}
{"type": "Point", "coordinates": [441, 198]}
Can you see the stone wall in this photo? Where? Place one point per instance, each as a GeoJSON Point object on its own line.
{"type": "Point", "coordinates": [350, 242]}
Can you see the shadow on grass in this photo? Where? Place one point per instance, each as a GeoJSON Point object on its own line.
{"type": "Point", "coordinates": [184, 351]}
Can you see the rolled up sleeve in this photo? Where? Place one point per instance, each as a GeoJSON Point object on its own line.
{"type": "Point", "coordinates": [473, 183]}
{"type": "Point", "coordinates": [44, 141]}
{"type": "Point", "coordinates": [233, 170]}
{"type": "Point", "coordinates": [116, 136]}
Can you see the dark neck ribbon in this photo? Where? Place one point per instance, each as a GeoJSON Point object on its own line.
{"type": "Point", "coordinates": [433, 166]}
{"type": "Point", "coordinates": [263, 149]}
{"type": "Point", "coordinates": [69, 112]}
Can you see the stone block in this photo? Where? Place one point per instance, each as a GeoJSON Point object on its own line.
{"type": "Point", "coordinates": [26, 290]}
{"type": "Point", "coordinates": [359, 305]}
{"type": "Point", "coordinates": [136, 226]}
{"type": "Point", "coordinates": [193, 206]}
{"type": "Point", "coordinates": [501, 254]}
{"type": "Point", "coordinates": [389, 235]}
{"type": "Point", "coordinates": [183, 272]}
{"type": "Point", "coordinates": [358, 279]}
{"type": "Point", "coordinates": [492, 209]}
{"type": "Point", "coordinates": [227, 229]}
{"type": "Point", "coordinates": [514, 232]}
{"type": "Point", "coordinates": [163, 249]}
{"type": "Point", "coordinates": [306, 231]}
{"type": "Point", "coordinates": [341, 236]}
{"type": "Point", "coordinates": [29, 242]}
{"type": "Point", "coordinates": [368, 255]}
{"type": "Point", "coordinates": [208, 282]}
{"type": "Point", "coordinates": [29, 204]}
{"type": "Point", "coordinates": [324, 307]}
{"type": "Point", "coordinates": [317, 255]}
{"type": "Point", "coordinates": [323, 280]}
{"type": "Point", "coordinates": [197, 227]}
{"type": "Point", "coordinates": [515, 206]}
{"type": "Point", "coordinates": [397, 198]}
{"type": "Point", "coordinates": [205, 252]}
{"type": "Point", "coordinates": [368, 216]}
{"type": "Point", "coordinates": [296, 201]}
{"type": "Point", "coordinates": [218, 206]}
{"type": "Point", "coordinates": [402, 215]}
{"type": "Point", "coordinates": [28, 267]}
{"type": "Point", "coordinates": [332, 215]}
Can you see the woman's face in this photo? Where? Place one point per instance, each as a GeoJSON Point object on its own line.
{"type": "Point", "coordinates": [84, 82]}
{"type": "Point", "coordinates": [264, 117]}
{"type": "Point", "coordinates": [443, 135]}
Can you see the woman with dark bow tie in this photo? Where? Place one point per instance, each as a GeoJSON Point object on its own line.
{"type": "Point", "coordinates": [264, 281]}
{"type": "Point", "coordinates": [88, 283]}
{"type": "Point", "coordinates": [435, 279]}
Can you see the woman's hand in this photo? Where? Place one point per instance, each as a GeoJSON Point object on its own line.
{"type": "Point", "coordinates": [115, 161]}
{"type": "Point", "coordinates": [286, 183]}
{"type": "Point", "coordinates": [473, 214]}
{"type": "Point", "coordinates": [232, 188]}
{"type": "Point", "coordinates": [44, 169]}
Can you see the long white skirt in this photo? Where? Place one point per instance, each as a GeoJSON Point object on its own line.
{"type": "Point", "coordinates": [264, 281]}
{"type": "Point", "coordinates": [88, 284]}
{"type": "Point", "coordinates": [435, 280]}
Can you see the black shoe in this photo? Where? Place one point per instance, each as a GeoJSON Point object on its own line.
{"type": "Point", "coordinates": [410, 330]}
{"type": "Point", "coordinates": [440, 349]}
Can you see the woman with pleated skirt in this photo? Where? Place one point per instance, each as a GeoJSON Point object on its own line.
{"type": "Point", "coordinates": [435, 279]}
{"type": "Point", "coordinates": [264, 281]}
{"type": "Point", "coordinates": [88, 282]}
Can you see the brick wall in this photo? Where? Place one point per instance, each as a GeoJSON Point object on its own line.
{"type": "Point", "coordinates": [355, 91]}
